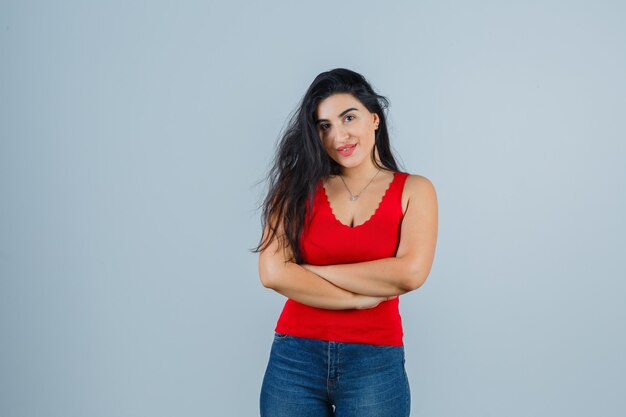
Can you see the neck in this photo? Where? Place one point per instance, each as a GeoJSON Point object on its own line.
{"type": "Point", "coordinates": [361, 173]}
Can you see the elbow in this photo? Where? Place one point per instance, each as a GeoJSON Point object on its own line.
{"type": "Point", "coordinates": [265, 281]}
{"type": "Point", "coordinates": [411, 284]}
{"type": "Point", "coordinates": [268, 275]}
{"type": "Point", "coordinates": [266, 278]}
{"type": "Point", "coordinates": [414, 278]}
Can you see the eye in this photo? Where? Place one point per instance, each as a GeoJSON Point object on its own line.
{"type": "Point", "coordinates": [324, 126]}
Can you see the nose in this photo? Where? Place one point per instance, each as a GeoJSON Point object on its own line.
{"type": "Point", "coordinates": [341, 133]}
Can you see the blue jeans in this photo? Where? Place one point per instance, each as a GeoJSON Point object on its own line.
{"type": "Point", "coordinates": [316, 378]}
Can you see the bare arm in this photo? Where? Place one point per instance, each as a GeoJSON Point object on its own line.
{"type": "Point", "coordinates": [295, 282]}
{"type": "Point", "coordinates": [410, 267]}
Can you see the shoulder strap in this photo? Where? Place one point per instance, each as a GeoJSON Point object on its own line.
{"type": "Point", "coordinates": [399, 182]}
{"type": "Point", "coordinates": [395, 191]}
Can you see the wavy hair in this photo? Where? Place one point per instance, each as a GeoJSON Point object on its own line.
{"type": "Point", "coordinates": [301, 161]}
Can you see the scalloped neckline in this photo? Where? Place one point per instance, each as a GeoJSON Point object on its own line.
{"type": "Point", "coordinates": [380, 202]}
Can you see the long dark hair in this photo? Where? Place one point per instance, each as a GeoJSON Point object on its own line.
{"type": "Point", "coordinates": [301, 161]}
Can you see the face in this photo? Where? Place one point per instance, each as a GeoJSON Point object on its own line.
{"type": "Point", "coordinates": [347, 129]}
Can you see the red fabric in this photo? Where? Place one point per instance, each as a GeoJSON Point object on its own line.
{"type": "Point", "coordinates": [325, 240]}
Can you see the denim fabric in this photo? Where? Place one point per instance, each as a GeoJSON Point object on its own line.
{"type": "Point", "coordinates": [316, 378]}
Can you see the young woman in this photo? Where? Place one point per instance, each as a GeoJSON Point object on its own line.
{"type": "Point", "coordinates": [345, 232]}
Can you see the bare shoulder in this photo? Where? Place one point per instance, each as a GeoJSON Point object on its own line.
{"type": "Point", "coordinates": [420, 190]}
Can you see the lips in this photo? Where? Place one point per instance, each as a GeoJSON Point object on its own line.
{"type": "Point", "coordinates": [346, 150]}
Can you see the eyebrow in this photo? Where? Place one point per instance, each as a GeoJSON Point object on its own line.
{"type": "Point", "coordinates": [318, 121]}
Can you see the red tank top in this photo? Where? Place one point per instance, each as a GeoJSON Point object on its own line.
{"type": "Point", "coordinates": [325, 240]}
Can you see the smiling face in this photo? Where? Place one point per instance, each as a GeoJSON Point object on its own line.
{"type": "Point", "coordinates": [347, 130]}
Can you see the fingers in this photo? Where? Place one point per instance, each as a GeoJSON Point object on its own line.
{"type": "Point", "coordinates": [377, 301]}
{"type": "Point", "coordinates": [372, 302]}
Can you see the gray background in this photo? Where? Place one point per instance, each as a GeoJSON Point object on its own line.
{"type": "Point", "coordinates": [132, 137]}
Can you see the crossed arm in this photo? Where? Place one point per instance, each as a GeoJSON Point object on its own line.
{"type": "Point", "coordinates": [363, 284]}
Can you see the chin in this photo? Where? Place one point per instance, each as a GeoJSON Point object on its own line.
{"type": "Point", "coordinates": [350, 164]}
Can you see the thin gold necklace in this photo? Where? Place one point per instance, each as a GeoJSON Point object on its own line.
{"type": "Point", "coordinates": [354, 197]}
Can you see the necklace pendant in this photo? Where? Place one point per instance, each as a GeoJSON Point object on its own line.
{"type": "Point", "coordinates": [353, 197]}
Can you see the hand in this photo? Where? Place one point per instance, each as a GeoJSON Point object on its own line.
{"type": "Point", "coordinates": [316, 269]}
{"type": "Point", "coordinates": [364, 302]}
